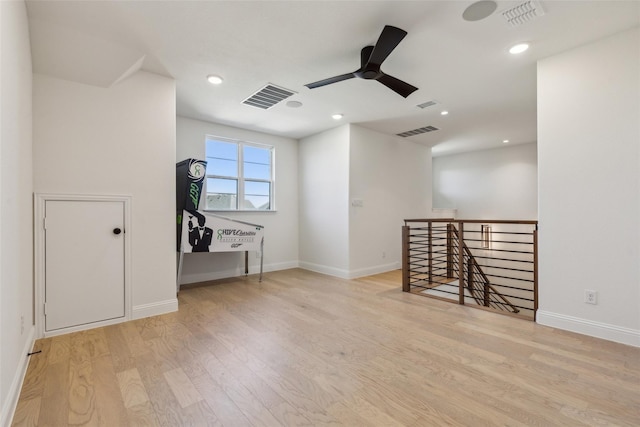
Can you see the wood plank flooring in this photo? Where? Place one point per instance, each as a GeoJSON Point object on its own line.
{"type": "Point", "coordinates": [304, 349]}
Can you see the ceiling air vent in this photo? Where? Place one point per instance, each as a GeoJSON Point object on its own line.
{"type": "Point", "coordinates": [427, 104]}
{"type": "Point", "coordinates": [524, 12]}
{"type": "Point", "coordinates": [268, 96]}
{"type": "Point", "coordinates": [417, 131]}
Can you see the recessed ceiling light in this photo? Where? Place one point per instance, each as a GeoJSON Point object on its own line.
{"type": "Point", "coordinates": [505, 141]}
{"type": "Point", "coordinates": [214, 80]}
{"type": "Point", "coordinates": [444, 113]}
{"type": "Point", "coordinates": [337, 116]}
{"type": "Point", "coordinates": [519, 48]}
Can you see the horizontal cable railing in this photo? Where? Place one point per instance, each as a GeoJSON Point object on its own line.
{"type": "Point", "coordinates": [497, 269]}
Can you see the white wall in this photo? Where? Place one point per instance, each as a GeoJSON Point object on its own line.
{"type": "Point", "coordinates": [280, 227]}
{"type": "Point", "coordinates": [589, 186]}
{"type": "Point", "coordinates": [314, 226]}
{"type": "Point", "coordinates": [323, 168]}
{"type": "Point", "coordinates": [16, 186]}
{"type": "Point", "coordinates": [500, 183]}
{"type": "Point", "coordinates": [392, 178]}
{"type": "Point", "coordinates": [116, 141]}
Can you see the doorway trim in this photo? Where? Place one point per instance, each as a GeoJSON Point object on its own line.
{"type": "Point", "coordinates": [39, 273]}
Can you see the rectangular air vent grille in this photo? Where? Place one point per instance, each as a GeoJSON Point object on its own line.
{"type": "Point", "coordinates": [427, 104]}
{"type": "Point", "coordinates": [524, 12]}
{"type": "Point", "coordinates": [268, 96]}
{"type": "Point", "coordinates": [417, 131]}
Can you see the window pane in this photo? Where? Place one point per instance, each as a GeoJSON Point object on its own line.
{"type": "Point", "coordinates": [260, 203]}
{"type": "Point", "coordinates": [222, 150]}
{"type": "Point", "coordinates": [256, 195]}
{"type": "Point", "coordinates": [222, 167]}
{"type": "Point", "coordinates": [221, 202]}
{"type": "Point", "coordinates": [257, 154]}
{"type": "Point", "coordinates": [222, 158]}
{"type": "Point", "coordinates": [257, 162]}
{"type": "Point", "coordinates": [222, 193]}
{"type": "Point", "coordinates": [223, 186]}
{"type": "Point", "coordinates": [257, 171]}
{"type": "Point", "coordinates": [253, 188]}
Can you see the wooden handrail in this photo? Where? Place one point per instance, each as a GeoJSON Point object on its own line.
{"type": "Point", "coordinates": [474, 221]}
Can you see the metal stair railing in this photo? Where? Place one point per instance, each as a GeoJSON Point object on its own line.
{"type": "Point", "coordinates": [477, 282]}
{"type": "Point", "coordinates": [497, 270]}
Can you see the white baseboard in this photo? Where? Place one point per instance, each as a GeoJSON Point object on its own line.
{"type": "Point", "coordinates": [154, 309]}
{"type": "Point", "coordinates": [349, 274]}
{"type": "Point", "coordinates": [331, 271]}
{"type": "Point", "coordinates": [588, 327]}
{"type": "Point", "coordinates": [277, 266]}
{"type": "Point", "coordinates": [224, 274]}
{"type": "Point", "coordinates": [369, 271]}
{"type": "Point", "coordinates": [11, 400]}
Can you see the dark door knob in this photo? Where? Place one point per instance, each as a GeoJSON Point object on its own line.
{"type": "Point", "coordinates": [117, 231]}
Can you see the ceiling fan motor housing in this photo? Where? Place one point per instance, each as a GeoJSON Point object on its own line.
{"type": "Point", "coordinates": [369, 73]}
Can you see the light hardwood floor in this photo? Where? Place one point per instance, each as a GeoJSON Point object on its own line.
{"type": "Point", "coordinates": [302, 348]}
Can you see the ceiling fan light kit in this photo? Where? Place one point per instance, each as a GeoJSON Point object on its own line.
{"type": "Point", "coordinates": [371, 58]}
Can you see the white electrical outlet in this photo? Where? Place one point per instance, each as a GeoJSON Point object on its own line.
{"type": "Point", "coordinates": [21, 325]}
{"type": "Point", "coordinates": [384, 254]}
{"type": "Point", "coordinates": [590, 297]}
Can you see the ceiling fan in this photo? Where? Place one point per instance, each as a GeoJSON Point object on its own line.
{"type": "Point", "coordinates": [371, 58]}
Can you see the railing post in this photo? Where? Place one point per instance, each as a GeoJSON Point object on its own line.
{"type": "Point", "coordinates": [487, 295]}
{"type": "Point", "coordinates": [535, 272]}
{"type": "Point", "coordinates": [430, 251]}
{"type": "Point", "coordinates": [470, 275]}
{"type": "Point", "coordinates": [405, 257]}
{"type": "Point", "coordinates": [461, 262]}
{"type": "Point", "coordinates": [449, 251]}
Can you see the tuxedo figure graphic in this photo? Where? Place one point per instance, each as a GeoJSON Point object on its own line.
{"type": "Point", "coordinates": [200, 237]}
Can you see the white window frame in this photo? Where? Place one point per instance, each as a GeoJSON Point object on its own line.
{"type": "Point", "coordinates": [240, 144]}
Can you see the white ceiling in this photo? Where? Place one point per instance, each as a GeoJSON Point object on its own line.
{"type": "Point", "coordinates": [464, 66]}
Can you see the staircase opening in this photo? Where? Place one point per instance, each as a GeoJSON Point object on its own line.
{"type": "Point", "coordinates": [486, 264]}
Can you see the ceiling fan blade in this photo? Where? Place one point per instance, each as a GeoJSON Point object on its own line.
{"type": "Point", "coordinates": [396, 85]}
{"type": "Point", "coordinates": [330, 80]}
{"type": "Point", "coordinates": [365, 54]}
{"type": "Point", "coordinates": [388, 40]}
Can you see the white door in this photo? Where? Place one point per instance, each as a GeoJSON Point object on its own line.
{"type": "Point", "coordinates": [84, 262]}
